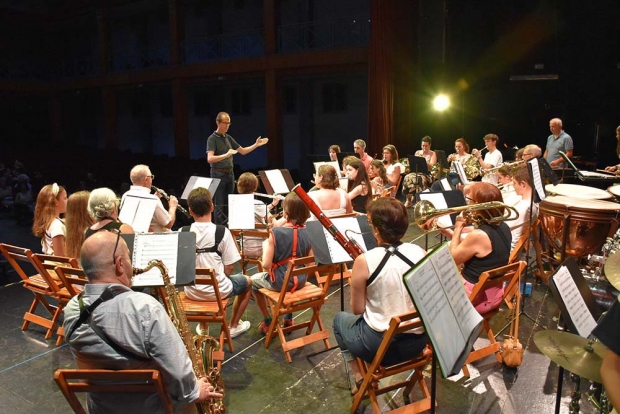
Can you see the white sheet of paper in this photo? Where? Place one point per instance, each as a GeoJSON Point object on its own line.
{"type": "Point", "coordinates": [343, 224]}
{"type": "Point", "coordinates": [147, 247]}
{"type": "Point", "coordinates": [578, 311]}
{"type": "Point", "coordinates": [203, 182]}
{"type": "Point", "coordinates": [439, 201]}
{"type": "Point", "coordinates": [344, 183]}
{"type": "Point", "coordinates": [461, 172]}
{"type": "Point", "coordinates": [332, 163]}
{"type": "Point", "coordinates": [138, 213]}
{"type": "Point", "coordinates": [445, 184]}
{"type": "Point", "coordinates": [538, 184]}
{"type": "Point", "coordinates": [276, 179]}
{"type": "Point", "coordinates": [241, 211]}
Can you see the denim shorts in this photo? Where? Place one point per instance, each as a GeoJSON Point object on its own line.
{"type": "Point", "coordinates": [239, 283]}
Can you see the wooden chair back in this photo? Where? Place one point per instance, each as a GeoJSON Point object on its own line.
{"type": "Point", "coordinates": [16, 257]}
{"type": "Point", "coordinates": [375, 371]}
{"type": "Point", "coordinates": [510, 275]}
{"type": "Point", "coordinates": [246, 259]}
{"type": "Point", "coordinates": [73, 279]}
{"type": "Point", "coordinates": [213, 312]}
{"type": "Point", "coordinates": [308, 297]}
{"type": "Point", "coordinates": [46, 265]}
{"type": "Point", "coordinates": [148, 381]}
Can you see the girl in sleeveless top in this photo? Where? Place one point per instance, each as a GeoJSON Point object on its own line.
{"type": "Point", "coordinates": [51, 203]}
{"type": "Point", "coordinates": [359, 191]}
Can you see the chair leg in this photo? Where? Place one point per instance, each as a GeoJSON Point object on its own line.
{"type": "Point", "coordinates": [55, 318]}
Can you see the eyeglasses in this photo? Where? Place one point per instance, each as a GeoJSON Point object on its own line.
{"type": "Point", "coordinates": [225, 122]}
{"type": "Point", "coordinates": [152, 176]}
{"type": "Point", "coordinates": [118, 237]}
{"type": "Point", "coordinates": [470, 199]}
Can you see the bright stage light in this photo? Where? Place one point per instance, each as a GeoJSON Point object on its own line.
{"type": "Point", "coordinates": [441, 103]}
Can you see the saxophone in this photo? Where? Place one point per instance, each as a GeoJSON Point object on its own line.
{"type": "Point", "coordinates": [199, 347]}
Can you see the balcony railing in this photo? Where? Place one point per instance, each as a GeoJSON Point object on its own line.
{"type": "Point", "coordinates": [141, 59]}
{"type": "Point", "coordinates": [43, 70]}
{"type": "Point", "coordinates": [332, 34]}
{"type": "Point", "coordinates": [223, 47]}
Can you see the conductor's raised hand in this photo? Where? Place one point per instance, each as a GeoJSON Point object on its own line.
{"type": "Point", "coordinates": [261, 141]}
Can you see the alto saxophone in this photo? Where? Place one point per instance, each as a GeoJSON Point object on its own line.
{"type": "Point", "coordinates": [199, 347]}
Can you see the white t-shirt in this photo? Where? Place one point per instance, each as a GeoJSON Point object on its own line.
{"type": "Point", "coordinates": [56, 228]}
{"type": "Point", "coordinates": [494, 158]}
{"type": "Point", "coordinates": [519, 226]}
{"type": "Point", "coordinates": [205, 237]}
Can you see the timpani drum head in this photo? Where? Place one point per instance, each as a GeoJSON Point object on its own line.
{"type": "Point", "coordinates": [615, 190]}
{"type": "Point", "coordinates": [578, 191]}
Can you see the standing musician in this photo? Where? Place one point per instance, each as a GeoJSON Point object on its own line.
{"type": "Point", "coordinates": [616, 168]}
{"type": "Point", "coordinates": [284, 243]}
{"type": "Point", "coordinates": [556, 142]}
{"type": "Point", "coordinates": [220, 149]}
{"type": "Point", "coordinates": [416, 182]}
{"type": "Point", "coordinates": [142, 181]}
{"type": "Point", "coordinates": [123, 329]}
{"type": "Point", "coordinates": [485, 248]}
{"type": "Point", "coordinates": [492, 159]}
{"type": "Point", "coordinates": [378, 292]}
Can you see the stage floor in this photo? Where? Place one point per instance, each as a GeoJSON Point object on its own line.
{"type": "Point", "coordinates": [260, 380]}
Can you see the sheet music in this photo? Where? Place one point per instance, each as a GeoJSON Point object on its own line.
{"type": "Point", "coordinates": [537, 179]}
{"type": "Point", "coordinates": [461, 172]}
{"type": "Point", "coordinates": [445, 184]}
{"type": "Point", "coordinates": [276, 179]}
{"type": "Point", "coordinates": [349, 227]}
{"type": "Point", "coordinates": [203, 182]}
{"type": "Point", "coordinates": [241, 211]}
{"type": "Point", "coordinates": [577, 310]}
{"type": "Point", "coordinates": [138, 212]}
{"type": "Point", "coordinates": [344, 183]}
{"type": "Point", "coordinates": [332, 163]}
{"type": "Point", "coordinates": [439, 201]}
{"type": "Point", "coordinates": [147, 247]}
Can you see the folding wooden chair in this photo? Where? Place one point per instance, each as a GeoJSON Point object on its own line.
{"type": "Point", "coordinates": [46, 265]}
{"type": "Point", "coordinates": [37, 284]}
{"type": "Point", "coordinates": [245, 259]}
{"type": "Point", "coordinates": [374, 372]}
{"type": "Point", "coordinates": [509, 274]}
{"type": "Point", "coordinates": [209, 312]}
{"type": "Point", "coordinates": [73, 281]}
{"type": "Point", "coordinates": [309, 297]}
{"type": "Point", "coordinates": [147, 381]}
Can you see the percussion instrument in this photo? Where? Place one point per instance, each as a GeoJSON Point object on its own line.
{"type": "Point", "coordinates": [615, 191]}
{"type": "Point", "coordinates": [572, 352]}
{"type": "Point", "coordinates": [578, 191]}
{"type": "Point", "coordinates": [577, 225]}
{"type": "Point", "coordinates": [612, 270]}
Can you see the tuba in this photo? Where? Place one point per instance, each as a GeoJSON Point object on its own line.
{"type": "Point", "coordinates": [199, 347]}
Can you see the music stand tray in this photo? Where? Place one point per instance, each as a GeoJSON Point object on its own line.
{"type": "Point", "coordinates": [417, 164]}
{"type": "Point", "coordinates": [279, 188]}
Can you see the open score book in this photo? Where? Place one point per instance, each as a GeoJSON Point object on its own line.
{"type": "Point", "coordinates": [451, 321]}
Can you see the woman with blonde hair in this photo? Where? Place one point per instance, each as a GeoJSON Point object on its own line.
{"type": "Point", "coordinates": [103, 207]}
{"type": "Point", "coordinates": [330, 198]}
{"type": "Point", "coordinates": [51, 203]}
{"type": "Point", "coordinates": [77, 220]}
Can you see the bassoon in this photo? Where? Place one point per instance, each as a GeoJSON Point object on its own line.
{"type": "Point", "coordinates": [349, 245]}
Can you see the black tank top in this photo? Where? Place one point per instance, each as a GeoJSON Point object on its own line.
{"type": "Point", "coordinates": [110, 226]}
{"type": "Point", "coordinates": [500, 242]}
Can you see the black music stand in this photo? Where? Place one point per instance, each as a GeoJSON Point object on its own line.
{"type": "Point", "coordinates": [342, 155]}
{"type": "Point", "coordinates": [210, 184]}
{"type": "Point", "coordinates": [570, 326]}
{"type": "Point", "coordinates": [453, 198]}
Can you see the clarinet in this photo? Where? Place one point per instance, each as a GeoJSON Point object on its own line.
{"type": "Point", "coordinates": [349, 245]}
{"type": "Point", "coordinates": [180, 208]}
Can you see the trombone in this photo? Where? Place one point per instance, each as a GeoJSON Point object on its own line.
{"type": "Point", "coordinates": [425, 213]}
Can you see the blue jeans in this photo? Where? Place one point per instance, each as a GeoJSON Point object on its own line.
{"type": "Point", "coordinates": [220, 198]}
{"type": "Point", "coordinates": [358, 340]}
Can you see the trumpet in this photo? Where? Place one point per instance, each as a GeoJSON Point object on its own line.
{"type": "Point", "coordinates": [425, 213]}
{"type": "Point", "coordinates": [475, 152]}
{"type": "Point", "coordinates": [506, 164]}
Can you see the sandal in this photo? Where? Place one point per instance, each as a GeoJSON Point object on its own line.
{"type": "Point", "coordinates": [358, 384]}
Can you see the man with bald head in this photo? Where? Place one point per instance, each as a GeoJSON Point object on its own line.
{"type": "Point", "coordinates": [109, 326]}
{"type": "Point", "coordinates": [142, 181]}
{"type": "Point", "coordinates": [531, 151]}
{"type": "Point", "coordinates": [556, 142]}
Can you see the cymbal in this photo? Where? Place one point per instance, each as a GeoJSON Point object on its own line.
{"type": "Point", "coordinates": [572, 352]}
{"type": "Point", "coordinates": [612, 270]}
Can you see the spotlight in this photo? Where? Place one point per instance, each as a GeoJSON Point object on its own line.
{"type": "Point", "coordinates": [441, 103]}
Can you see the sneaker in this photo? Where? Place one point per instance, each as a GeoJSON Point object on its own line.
{"type": "Point", "coordinates": [263, 327]}
{"type": "Point", "coordinates": [287, 322]}
{"type": "Point", "coordinates": [202, 329]}
{"type": "Point", "coordinates": [241, 328]}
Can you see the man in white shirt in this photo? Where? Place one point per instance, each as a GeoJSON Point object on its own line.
{"type": "Point", "coordinates": [142, 181]}
{"type": "Point", "coordinates": [492, 159]}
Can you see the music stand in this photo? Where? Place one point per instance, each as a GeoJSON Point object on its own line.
{"type": "Point", "coordinates": [442, 199]}
{"type": "Point", "coordinates": [196, 181]}
{"type": "Point", "coordinates": [342, 155]}
{"type": "Point", "coordinates": [276, 181]}
{"type": "Point", "coordinates": [332, 163]}
{"type": "Point", "coordinates": [417, 164]}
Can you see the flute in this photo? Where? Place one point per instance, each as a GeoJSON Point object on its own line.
{"type": "Point", "coordinates": [349, 245]}
{"type": "Point", "coordinates": [167, 197]}
{"type": "Point", "coordinates": [275, 196]}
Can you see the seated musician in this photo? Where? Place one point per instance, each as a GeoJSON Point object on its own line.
{"type": "Point", "coordinates": [521, 183]}
{"type": "Point", "coordinates": [284, 243]}
{"type": "Point", "coordinates": [417, 182]}
{"type": "Point", "coordinates": [393, 168]}
{"type": "Point", "coordinates": [216, 249]}
{"type": "Point", "coordinates": [248, 184]}
{"type": "Point", "coordinates": [486, 247]}
{"type": "Point", "coordinates": [504, 177]}
{"type": "Point", "coordinates": [609, 335]}
{"type": "Point", "coordinates": [134, 320]}
{"type": "Point", "coordinates": [330, 198]}
{"type": "Point", "coordinates": [616, 168]}
{"type": "Point", "coordinates": [359, 191]}
{"type": "Point", "coordinates": [378, 177]}
{"type": "Point", "coordinates": [378, 292]}
{"type": "Point", "coordinates": [103, 207]}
